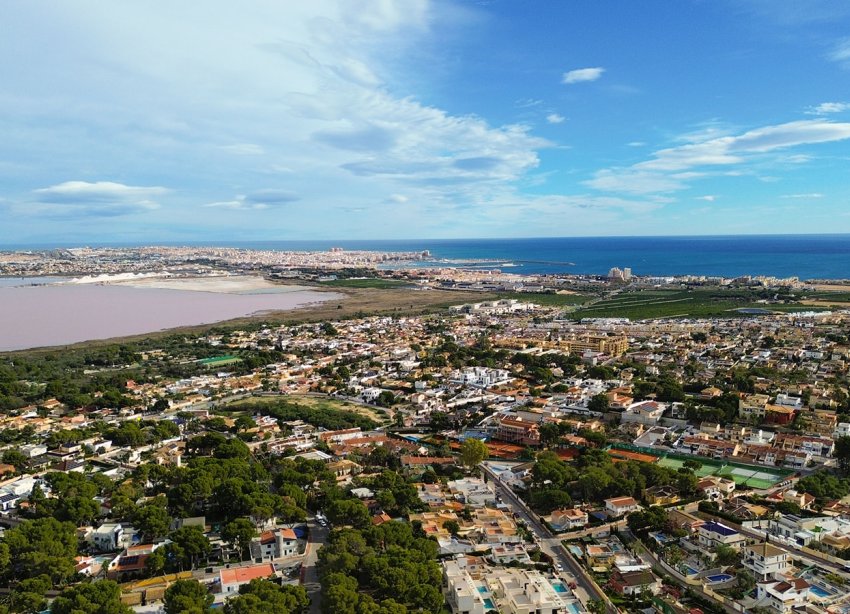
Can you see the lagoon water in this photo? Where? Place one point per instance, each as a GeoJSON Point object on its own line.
{"type": "Point", "coordinates": [47, 315]}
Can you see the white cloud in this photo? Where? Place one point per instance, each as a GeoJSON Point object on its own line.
{"type": "Point", "coordinates": [670, 169]}
{"type": "Point", "coordinates": [244, 149]}
{"type": "Point", "coordinates": [825, 108]}
{"type": "Point", "coordinates": [82, 199]}
{"type": "Point", "coordinates": [841, 52]}
{"type": "Point", "coordinates": [554, 118]}
{"type": "Point", "coordinates": [73, 192]}
{"type": "Point", "coordinates": [398, 199]}
{"type": "Point", "coordinates": [256, 201]}
{"type": "Point", "coordinates": [581, 75]}
{"type": "Point", "coordinates": [527, 103]}
{"type": "Point", "coordinates": [710, 198]}
{"type": "Point", "coordinates": [807, 196]}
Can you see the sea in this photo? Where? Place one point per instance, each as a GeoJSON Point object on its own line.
{"type": "Point", "coordinates": [803, 256]}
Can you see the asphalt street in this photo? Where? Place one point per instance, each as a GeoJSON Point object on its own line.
{"type": "Point", "coordinates": [586, 589]}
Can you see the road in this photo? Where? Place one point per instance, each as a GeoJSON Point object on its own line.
{"type": "Point", "coordinates": [550, 544]}
{"type": "Point", "coordinates": [310, 575]}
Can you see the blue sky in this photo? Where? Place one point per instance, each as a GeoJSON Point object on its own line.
{"type": "Point", "coordinates": [159, 121]}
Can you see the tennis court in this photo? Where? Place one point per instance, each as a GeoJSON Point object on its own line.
{"type": "Point", "coordinates": [743, 475]}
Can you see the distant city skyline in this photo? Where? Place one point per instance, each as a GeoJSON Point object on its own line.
{"type": "Point", "coordinates": [158, 122]}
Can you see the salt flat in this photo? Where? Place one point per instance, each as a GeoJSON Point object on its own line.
{"type": "Point", "coordinates": [223, 284]}
{"type": "Point", "coordinates": [38, 316]}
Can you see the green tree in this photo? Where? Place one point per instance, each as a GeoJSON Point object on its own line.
{"type": "Point", "coordinates": [842, 453]}
{"type": "Point", "coordinates": [189, 545]}
{"type": "Point", "coordinates": [598, 403]}
{"type": "Point", "coordinates": [348, 512]}
{"type": "Point", "coordinates": [44, 546]}
{"type": "Point", "coordinates": [152, 520]}
{"type": "Point", "coordinates": [472, 452]}
{"type": "Point", "coordinates": [103, 597]}
{"type": "Point", "coordinates": [596, 606]}
{"type": "Point", "coordinates": [550, 433]}
{"type": "Point", "coordinates": [692, 464]}
{"type": "Point", "coordinates": [263, 597]}
{"type": "Point", "coordinates": [187, 597]}
{"type": "Point", "coordinates": [727, 555]}
{"type": "Point", "coordinates": [239, 533]}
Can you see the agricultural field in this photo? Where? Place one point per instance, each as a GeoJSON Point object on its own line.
{"type": "Point", "coordinates": [379, 283]}
{"type": "Point", "coordinates": [649, 304]}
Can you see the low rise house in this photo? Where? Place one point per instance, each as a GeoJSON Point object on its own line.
{"type": "Point", "coordinates": [275, 544]}
{"type": "Point", "coordinates": [783, 596]}
{"type": "Point", "coordinates": [635, 582]}
{"type": "Point", "coordinates": [568, 519]}
{"type": "Point", "coordinates": [683, 520]}
{"type": "Point", "coordinates": [644, 412]}
{"type": "Point", "coordinates": [107, 537]}
{"type": "Point", "coordinates": [519, 591]}
{"type": "Point", "coordinates": [620, 506]}
{"type": "Point", "coordinates": [232, 579]}
{"type": "Point", "coordinates": [462, 594]}
{"type": "Point", "coordinates": [765, 560]}
{"type": "Point", "coordinates": [713, 534]}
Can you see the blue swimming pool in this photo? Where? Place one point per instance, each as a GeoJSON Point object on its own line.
{"type": "Point", "coordinates": [483, 589]}
{"type": "Point", "coordinates": [690, 571]}
{"type": "Point", "coordinates": [559, 587]}
{"type": "Point", "coordinates": [488, 604]}
{"type": "Point", "coordinates": [721, 577]}
{"type": "Point", "coordinates": [573, 607]}
{"type": "Point", "coordinates": [820, 591]}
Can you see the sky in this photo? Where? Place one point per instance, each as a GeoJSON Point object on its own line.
{"type": "Point", "coordinates": [165, 121]}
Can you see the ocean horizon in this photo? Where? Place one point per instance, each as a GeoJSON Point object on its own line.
{"type": "Point", "coordinates": [822, 256]}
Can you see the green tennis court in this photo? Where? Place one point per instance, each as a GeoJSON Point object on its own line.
{"type": "Point", "coordinates": [743, 475]}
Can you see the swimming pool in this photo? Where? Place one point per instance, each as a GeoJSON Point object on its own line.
{"type": "Point", "coordinates": [721, 577]}
{"type": "Point", "coordinates": [559, 587]}
{"type": "Point", "coordinates": [573, 607]}
{"type": "Point", "coordinates": [483, 589]}
{"type": "Point", "coordinates": [690, 571]}
{"type": "Point", "coordinates": [819, 591]}
{"type": "Point", "coordinates": [488, 605]}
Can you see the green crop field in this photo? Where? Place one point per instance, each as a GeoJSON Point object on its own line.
{"type": "Point", "coordinates": [649, 304]}
{"type": "Point", "coordinates": [366, 283]}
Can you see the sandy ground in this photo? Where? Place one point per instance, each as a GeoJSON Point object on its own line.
{"type": "Point", "coordinates": [825, 302]}
{"type": "Point", "coordinates": [237, 284]}
{"type": "Point", "coordinates": [832, 287]}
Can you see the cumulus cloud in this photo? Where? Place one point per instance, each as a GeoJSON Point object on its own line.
{"type": "Point", "coordinates": [672, 168]}
{"type": "Point", "coordinates": [581, 75]}
{"type": "Point", "coordinates": [710, 198]}
{"type": "Point", "coordinates": [826, 108]}
{"type": "Point", "coordinates": [554, 118]}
